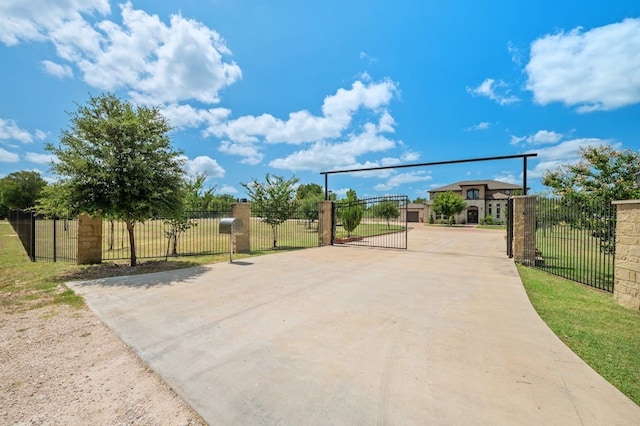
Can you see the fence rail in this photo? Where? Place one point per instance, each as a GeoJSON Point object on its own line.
{"type": "Point", "coordinates": [299, 231]}
{"type": "Point", "coordinates": [157, 238]}
{"type": "Point", "coordinates": [47, 239]}
{"type": "Point", "coordinates": [381, 222]}
{"type": "Point", "coordinates": [56, 239]}
{"type": "Point", "coordinates": [576, 241]}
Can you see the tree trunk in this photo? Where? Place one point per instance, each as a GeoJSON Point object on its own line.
{"type": "Point", "coordinates": [132, 242]}
{"type": "Point", "coordinates": [175, 244]}
{"type": "Point", "coordinates": [275, 236]}
{"type": "Point", "coordinates": [111, 235]}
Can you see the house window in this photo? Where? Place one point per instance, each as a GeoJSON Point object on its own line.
{"type": "Point", "coordinates": [498, 212]}
{"type": "Point", "coordinates": [507, 191]}
{"type": "Point", "coordinates": [489, 210]}
{"type": "Point", "coordinates": [473, 194]}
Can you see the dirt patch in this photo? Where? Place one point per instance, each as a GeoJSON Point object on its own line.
{"type": "Point", "coordinates": [63, 366]}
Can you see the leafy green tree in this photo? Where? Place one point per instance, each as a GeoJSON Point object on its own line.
{"type": "Point", "coordinates": [273, 200]}
{"type": "Point", "coordinates": [308, 195]}
{"type": "Point", "coordinates": [116, 159]}
{"type": "Point", "coordinates": [194, 197]}
{"type": "Point", "coordinates": [21, 190]}
{"type": "Point", "coordinates": [420, 200]}
{"type": "Point", "coordinates": [387, 210]}
{"type": "Point", "coordinates": [602, 173]}
{"type": "Point", "coordinates": [449, 204]}
{"type": "Point", "coordinates": [309, 190]}
{"type": "Point", "coordinates": [351, 212]}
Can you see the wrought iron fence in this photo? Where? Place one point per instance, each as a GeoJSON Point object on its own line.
{"type": "Point", "coordinates": [300, 230]}
{"type": "Point", "coordinates": [48, 239]}
{"type": "Point", "coordinates": [158, 238]}
{"type": "Point", "coordinates": [373, 222]}
{"type": "Point", "coordinates": [576, 240]}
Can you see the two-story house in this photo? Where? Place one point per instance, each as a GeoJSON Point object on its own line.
{"type": "Point", "coordinates": [483, 198]}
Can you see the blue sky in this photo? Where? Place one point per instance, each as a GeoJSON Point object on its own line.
{"type": "Point", "coordinates": [296, 88]}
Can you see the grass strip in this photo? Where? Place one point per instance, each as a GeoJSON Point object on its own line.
{"type": "Point", "coordinates": [603, 333]}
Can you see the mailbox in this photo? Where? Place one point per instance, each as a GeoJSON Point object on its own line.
{"type": "Point", "coordinates": [230, 226]}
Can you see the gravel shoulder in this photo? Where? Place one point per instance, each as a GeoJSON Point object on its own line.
{"type": "Point", "coordinates": [63, 366]}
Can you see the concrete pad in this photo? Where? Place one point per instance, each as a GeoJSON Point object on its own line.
{"type": "Point", "coordinates": [442, 333]}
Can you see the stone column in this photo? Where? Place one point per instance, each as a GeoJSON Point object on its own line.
{"type": "Point", "coordinates": [89, 240]}
{"type": "Point", "coordinates": [325, 222]}
{"type": "Point", "coordinates": [626, 281]}
{"type": "Point", "coordinates": [242, 211]}
{"type": "Point", "coordinates": [524, 229]}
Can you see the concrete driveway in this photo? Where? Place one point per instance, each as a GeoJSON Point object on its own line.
{"type": "Point", "coordinates": [442, 333]}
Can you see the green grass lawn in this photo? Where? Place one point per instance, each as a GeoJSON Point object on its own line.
{"type": "Point", "coordinates": [577, 255]}
{"type": "Point", "coordinates": [603, 333]}
{"type": "Point", "coordinates": [504, 227]}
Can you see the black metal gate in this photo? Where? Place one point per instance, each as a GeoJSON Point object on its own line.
{"type": "Point", "coordinates": [510, 227]}
{"type": "Point", "coordinates": [372, 222]}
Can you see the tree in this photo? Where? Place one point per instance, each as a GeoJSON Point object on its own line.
{"type": "Point", "coordinates": [351, 212]}
{"type": "Point", "coordinates": [602, 174]}
{"type": "Point", "coordinates": [308, 196]}
{"type": "Point", "coordinates": [308, 190]}
{"type": "Point", "coordinates": [448, 203]}
{"type": "Point", "coordinates": [194, 197]}
{"type": "Point", "coordinates": [115, 159]}
{"type": "Point", "coordinates": [420, 200]}
{"type": "Point", "coordinates": [387, 210]}
{"type": "Point", "coordinates": [274, 200]}
{"type": "Point", "coordinates": [21, 190]}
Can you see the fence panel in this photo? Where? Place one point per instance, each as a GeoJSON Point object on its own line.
{"type": "Point", "coordinates": [46, 239]}
{"type": "Point", "coordinates": [299, 231]}
{"type": "Point", "coordinates": [383, 222]}
{"type": "Point", "coordinates": [157, 238]}
{"type": "Point", "coordinates": [56, 239]}
{"type": "Point", "coordinates": [576, 241]}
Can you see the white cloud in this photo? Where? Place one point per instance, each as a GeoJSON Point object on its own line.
{"type": "Point", "coordinates": [155, 62]}
{"type": "Point", "coordinates": [204, 164]}
{"type": "Point", "coordinates": [182, 116]}
{"type": "Point", "coordinates": [541, 137]}
{"type": "Point", "coordinates": [325, 155]}
{"type": "Point", "coordinates": [9, 130]}
{"type": "Point", "coordinates": [8, 157]}
{"type": "Point", "coordinates": [497, 91]}
{"type": "Point", "coordinates": [249, 152]}
{"type": "Point", "coordinates": [592, 70]}
{"type": "Point", "coordinates": [227, 189]}
{"type": "Point", "coordinates": [507, 177]}
{"type": "Point", "coordinates": [39, 158]}
{"type": "Point", "coordinates": [483, 125]}
{"type": "Point", "coordinates": [34, 20]}
{"type": "Point", "coordinates": [409, 156]}
{"type": "Point", "coordinates": [57, 70]}
{"type": "Point", "coordinates": [402, 179]}
{"type": "Point", "coordinates": [564, 153]}
{"type": "Point", "coordinates": [303, 127]}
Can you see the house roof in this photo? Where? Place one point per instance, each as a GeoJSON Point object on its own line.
{"type": "Point", "coordinates": [415, 206]}
{"type": "Point", "coordinates": [491, 185]}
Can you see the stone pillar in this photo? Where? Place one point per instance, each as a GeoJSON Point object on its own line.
{"type": "Point", "coordinates": [524, 229]}
{"type": "Point", "coordinates": [325, 222]}
{"type": "Point", "coordinates": [242, 211]}
{"type": "Point", "coordinates": [626, 280]}
{"type": "Point", "coordinates": [89, 240]}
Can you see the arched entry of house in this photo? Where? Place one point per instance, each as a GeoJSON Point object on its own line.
{"type": "Point", "coordinates": [472, 215]}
